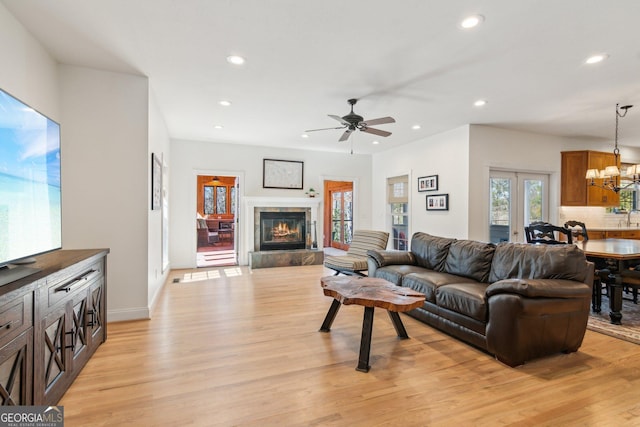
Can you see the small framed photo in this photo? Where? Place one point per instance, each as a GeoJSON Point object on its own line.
{"type": "Point", "coordinates": [438, 202]}
{"type": "Point", "coordinates": [428, 183]}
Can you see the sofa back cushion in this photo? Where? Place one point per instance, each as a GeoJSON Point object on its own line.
{"type": "Point", "coordinates": [527, 261]}
{"type": "Point", "coordinates": [470, 259]}
{"type": "Point", "coordinates": [430, 251]}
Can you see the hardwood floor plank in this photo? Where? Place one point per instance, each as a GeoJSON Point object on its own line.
{"type": "Point", "coordinates": [242, 347]}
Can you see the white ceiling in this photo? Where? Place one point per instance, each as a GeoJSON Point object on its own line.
{"type": "Point", "coordinates": [408, 59]}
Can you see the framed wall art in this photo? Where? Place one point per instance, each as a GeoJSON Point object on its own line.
{"type": "Point", "coordinates": [438, 202]}
{"type": "Point", "coordinates": [282, 174]}
{"type": "Point", "coordinates": [428, 183]}
{"type": "Point", "coordinates": [156, 182]}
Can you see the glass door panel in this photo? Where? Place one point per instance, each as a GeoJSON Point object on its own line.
{"type": "Point", "coordinates": [516, 199]}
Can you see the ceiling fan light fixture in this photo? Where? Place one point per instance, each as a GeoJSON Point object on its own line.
{"type": "Point", "coordinates": [235, 60]}
{"type": "Point", "coordinates": [375, 142]}
{"type": "Point", "coordinates": [471, 21]}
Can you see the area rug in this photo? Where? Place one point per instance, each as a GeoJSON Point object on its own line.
{"type": "Point", "coordinates": [630, 328]}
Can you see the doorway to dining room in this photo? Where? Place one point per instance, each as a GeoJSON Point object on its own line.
{"type": "Point", "coordinates": [216, 225]}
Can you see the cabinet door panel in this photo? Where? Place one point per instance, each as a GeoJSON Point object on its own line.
{"type": "Point", "coordinates": [53, 356]}
{"type": "Point", "coordinates": [15, 370]}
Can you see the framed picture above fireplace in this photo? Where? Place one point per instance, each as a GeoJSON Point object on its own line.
{"type": "Point", "coordinates": [282, 174]}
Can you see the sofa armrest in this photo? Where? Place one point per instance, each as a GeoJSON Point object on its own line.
{"type": "Point", "coordinates": [387, 257]}
{"type": "Point", "coordinates": [540, 288]}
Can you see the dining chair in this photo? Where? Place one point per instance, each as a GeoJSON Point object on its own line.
{"type": "Point", "coordinates": [578, 230]}
{"type": "Point", "coordinates": [548, 234]}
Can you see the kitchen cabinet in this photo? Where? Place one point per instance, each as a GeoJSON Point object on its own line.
{"type": "Point", "coordinates": [575, 189]}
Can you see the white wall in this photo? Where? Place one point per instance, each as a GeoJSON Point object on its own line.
{"type": "Point", "coordinates": [445, 155]}
{"type": "Point", "coordinates": [105, 178]}
{"type": "Point", "coordinates": [28, 72]}
{"type": "Point", "coordinates": [159, 144]}
{"type": "Point", "coordinates": [191, 158]}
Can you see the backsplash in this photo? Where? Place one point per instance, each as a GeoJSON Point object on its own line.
{"type": "Point", "coordinates": [594, 217]}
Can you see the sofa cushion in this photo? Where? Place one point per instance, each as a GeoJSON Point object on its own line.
{"type": "Point", "coordinates": [527, 261]}
{"type": "Point", "coordinates": [430, 251]}
{"type": "Point", "coordinates": [464, 298]}
{"type": "Point", "coordinates": [468, 258]}
{"type": "Point", "coordinates": [428, 281]}
{"type": "Point", "coordinates": [395, 273]}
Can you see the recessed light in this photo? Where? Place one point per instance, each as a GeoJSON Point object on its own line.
{"type": "Point", "coordinates": [218, 127]}
{"type": "Point", "coordinates": [594, 59]}
{"type": "Point", "coordinates": [480, 103]}
{"type": "Point", "coordinates": [416, 127]}
{"type": "Point", "coordinates": [304, 135]}
{"type": "Point", "coordinates": [235, 60]}
{"type": "Point", "coordinates": [376, 142]}
{"type": "Point", "coordinates": [224, 103]}
{"type": "Point", "coordinates": [471, 21]}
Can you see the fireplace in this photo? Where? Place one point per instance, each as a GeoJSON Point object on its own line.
{"type": "Point", "coordinates": [282, 230]}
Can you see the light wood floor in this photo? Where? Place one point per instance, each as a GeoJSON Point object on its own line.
{"type": "Point", "coordinates": [242, 347]}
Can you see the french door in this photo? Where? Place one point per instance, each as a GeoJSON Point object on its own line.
{"type": "Point", "coordinates": [341, 214]}
{"type": "Point", "coordinates": [515, 200]}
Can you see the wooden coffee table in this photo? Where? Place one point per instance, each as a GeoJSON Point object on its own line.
{"type": "Point", "coordinates": [369, 292]}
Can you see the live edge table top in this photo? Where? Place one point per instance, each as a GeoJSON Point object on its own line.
{"type": "Point", "coordinates": [371, 292]}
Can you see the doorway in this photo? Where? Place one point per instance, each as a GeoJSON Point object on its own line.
{"type": "Point", "coordinates": [338, 214]}
{"type": "Point", "coordinates": [515, 200]}
{"type": "Point", "coordinates": [216, 226]}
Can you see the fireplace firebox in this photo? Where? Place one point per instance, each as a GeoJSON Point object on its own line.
{"type": "Point", "coordinates": [282, 231]}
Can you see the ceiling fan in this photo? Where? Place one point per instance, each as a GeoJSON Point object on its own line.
{"type": "Point", "coordinates": [352, 122]}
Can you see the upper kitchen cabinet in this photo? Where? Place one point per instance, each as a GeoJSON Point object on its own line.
{"type": "Point", "coordinates": [575, 189]}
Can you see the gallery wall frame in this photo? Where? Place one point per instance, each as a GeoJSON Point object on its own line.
{"type": "Point", "coordinates": [428, 183]}
{"type": "Point", "coordinates": [287, 174]}
{"type": "Point", "coordinates": [438, 202]}
{"type": "Point", "coordinates": [156, 182]}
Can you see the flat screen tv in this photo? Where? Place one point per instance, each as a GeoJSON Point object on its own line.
{"type": "Point", "coordinates": [30, 191]}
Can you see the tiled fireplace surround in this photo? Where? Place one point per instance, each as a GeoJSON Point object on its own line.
{"type": "Point", "coordinates": [280, 258]}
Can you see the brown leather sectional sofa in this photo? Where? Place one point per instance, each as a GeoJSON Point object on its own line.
{"type": "Point", "coordinates": [515, 301]}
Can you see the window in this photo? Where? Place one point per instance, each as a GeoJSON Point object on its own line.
{"type": "Point", "coordinates": [216, 201]}
{"type": "Point", "coordinates": [398, 199]}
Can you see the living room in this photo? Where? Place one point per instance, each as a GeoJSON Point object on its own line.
{"type": "Point", "coordinates": [112, 122]}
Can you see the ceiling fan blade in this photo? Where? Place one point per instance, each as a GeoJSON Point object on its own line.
{"type": "Point", "coordinates": [376, 131]}
{"type": "Point", "coordinates": [340, 119]}
{"type": "Point", "coordinates": [380, 121]}
{"type": "Point", "coordinates": [345, 135]}
{"type": "Point", "coordinates": [313, 130]}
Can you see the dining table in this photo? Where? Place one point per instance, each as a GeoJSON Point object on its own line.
{"type": "Point", "coordinates": [618, 256]}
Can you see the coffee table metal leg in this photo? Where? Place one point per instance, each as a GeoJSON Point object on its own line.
{"type": "Point", "coordinates": [397, 323]}
{"type": "Point", "coordinates": [365, 341]}
{"type": "Point", "coordinates": [331, 314]}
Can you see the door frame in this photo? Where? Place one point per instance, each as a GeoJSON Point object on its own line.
{"type": "Point", "coordinates": [238, 242]}
{"type": "Point", "coordinates": [516, 212]}
{"type": "Point", "coordinates": [356, 205]}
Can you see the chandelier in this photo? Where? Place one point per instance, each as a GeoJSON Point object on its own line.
{"type": "Point", "coordinates": [609, 175]}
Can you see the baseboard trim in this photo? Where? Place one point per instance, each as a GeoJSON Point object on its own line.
{"type": "Point", "coordinates": [141, 313]}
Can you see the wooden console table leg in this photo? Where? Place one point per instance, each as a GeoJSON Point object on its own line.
{"type": "Point", "coordinates": [365, 341]}
{"type": "Point", "coordinates": [397, 323]}
{"type": "Point", "coordinates": [331, 315]}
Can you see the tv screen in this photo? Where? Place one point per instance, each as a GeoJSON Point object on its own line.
{"type": "Point", "coordinates": [30, 192]}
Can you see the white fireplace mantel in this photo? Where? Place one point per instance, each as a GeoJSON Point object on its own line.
{"type": "Point", "coordinates": [250, 203]}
